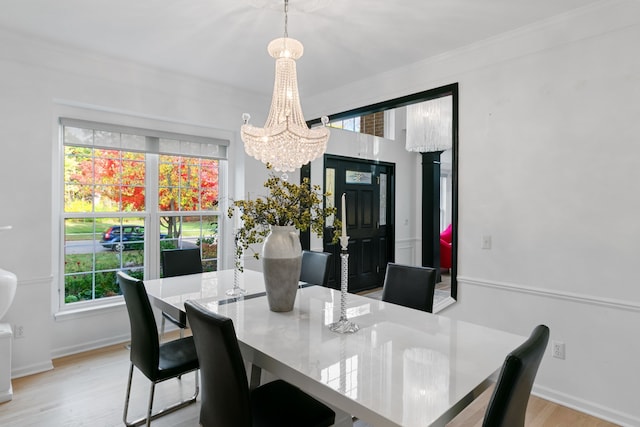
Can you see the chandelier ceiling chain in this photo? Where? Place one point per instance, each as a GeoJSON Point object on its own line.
{"type": "Point", "coordinates": [286, 18]}
{"type": "Point", "coordinates": [285, 142]}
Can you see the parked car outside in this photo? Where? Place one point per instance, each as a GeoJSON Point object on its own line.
{"type": "Point", "coordinates": [122, 237]}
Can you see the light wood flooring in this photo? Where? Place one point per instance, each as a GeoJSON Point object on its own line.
{"type": "Point", "coordinates": [88, 390]}
{"type": "Point", "coordinates": [540, 413]}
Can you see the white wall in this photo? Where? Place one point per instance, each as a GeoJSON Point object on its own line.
{"type": "Point", "coordinates": [38, 82]}
{"type": "Point", "coordinates": [548, 167]}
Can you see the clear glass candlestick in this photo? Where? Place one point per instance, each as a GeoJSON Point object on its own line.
{"type": "Point", "coordinates": [237, 290]}
{"type": "Point", "coordinates": [344, 325]}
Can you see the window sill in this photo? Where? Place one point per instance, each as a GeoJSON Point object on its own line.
{"type": "Point", "coordinates": [87, 311]}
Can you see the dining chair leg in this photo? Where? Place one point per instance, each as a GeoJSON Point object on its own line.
{"type": "Point", "coordinates": [150, 417]}
{"type": "Point", "coordinates": [150, 408]}
{"type": "Point", "coordinates": [128, 395]}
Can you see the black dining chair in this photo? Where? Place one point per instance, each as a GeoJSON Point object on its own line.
{"type": "Point", "coordinates": [178, 262]}
{"type": "Point", "coordinates": [158, 362]}
{"type": "Point", "coordinates": [508, 404]}
{"type": "Point", "coordinates": [315, 267]}
{"type": "Point", "coordinates": [226, 398]}
{"type": "Point", "coordinates": [410, 286]}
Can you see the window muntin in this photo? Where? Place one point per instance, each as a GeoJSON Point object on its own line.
{"type": "Point", "coordinates": [98, 180]}
{"type": "Point", "coordinates": [91, 261]}
{"type": "Point", "coordinates": [192, 231]}
{"type": "Point", "coordinates": [187, 184]}
{"type": "Point", "coordinates": [114, 184]}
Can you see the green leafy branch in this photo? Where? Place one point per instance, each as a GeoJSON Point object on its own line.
{"type": "Point", "coordinates": [286, 204]}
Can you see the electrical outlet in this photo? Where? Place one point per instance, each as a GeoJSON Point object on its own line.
{"type": "Point", "coordinates": [486, 242]}
{"type": "Point", "coordinates": [557, 349]}
{"type": "Point", "coordinates": [18, 331]}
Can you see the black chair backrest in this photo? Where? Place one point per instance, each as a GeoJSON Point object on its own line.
{"type": "Point", "coordinates": [178, 262]}
{"type": "Point", "coordinates": [225, 391]}
{"type": "Point", "coordinates": [145, 345]}
{"type": "Point", "coordinates": [508, 404]}
{"type": "Point", "coordinates": [410, 286]}
{"type": "Point", "coordinates": [315, 267]}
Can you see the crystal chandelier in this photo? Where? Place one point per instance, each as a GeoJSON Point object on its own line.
{"type": "Point", "coordinates": [285, 142]}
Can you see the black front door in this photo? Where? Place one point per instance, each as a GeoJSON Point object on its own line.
{"type": "Point", "coordinates": [368, 187]}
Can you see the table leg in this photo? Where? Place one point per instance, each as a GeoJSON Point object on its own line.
{"type": "Point", "coordinates": [256, 373]}
{"type": "Point", "coordinates": [342, 418]}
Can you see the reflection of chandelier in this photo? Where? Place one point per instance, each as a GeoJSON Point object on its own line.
{"type": "Point", "coordinates": [285, 141]}
{"type": "Point", "coordinates": [429, 125]}
{"type": "Point", "coordinates": [425, 384]}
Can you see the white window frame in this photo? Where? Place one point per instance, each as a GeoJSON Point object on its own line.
{"type": "Point", "coordinates": [191, 145]}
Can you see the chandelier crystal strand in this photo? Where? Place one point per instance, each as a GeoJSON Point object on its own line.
{"type": "Point", "coordinates": [285, 141]}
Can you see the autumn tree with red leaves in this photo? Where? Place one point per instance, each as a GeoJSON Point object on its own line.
{"type": "Point", "coordinates": [115, 181]}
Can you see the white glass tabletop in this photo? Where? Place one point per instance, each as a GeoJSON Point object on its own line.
{"type": "Point", "coordinates": [211, 286]}
{"type": "Point", "coordinates": [402, 368]}
{"type": "Point", "coordinates": [170, 293]}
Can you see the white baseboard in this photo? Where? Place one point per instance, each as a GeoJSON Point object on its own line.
{"type": "Point", "coordinates": [6, 395]}
{"type": "Point", "coordinates": [593, 409]}
{"type": "Point", "coordinates": [87, 346]}
{"type": "Point", "coordinates": [35, 368]}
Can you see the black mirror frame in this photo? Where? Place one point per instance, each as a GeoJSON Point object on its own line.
{"type": "Point", "coordinates": [403, 101]}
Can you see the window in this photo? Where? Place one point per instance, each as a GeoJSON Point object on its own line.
{"type": "Point", "coordinates": [352, 124]}
{"type": "Point", "coordinates": [371, 124]}
{"type": "Point", "coordinates": [129, 193]}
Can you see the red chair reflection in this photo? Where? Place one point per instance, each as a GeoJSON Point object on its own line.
{"type": "Point", "coordinates": [445, 247]}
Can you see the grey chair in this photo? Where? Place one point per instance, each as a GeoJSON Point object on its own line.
{"type": "Point", "coordinates": [508, 404]}
{"type": "Point", "coordinates": [315, 267]}
{"type": "Point", "coordinates": [410, 286]}
{"type": "Point", "coordinates": [158, 362]}
{"type": "Point", "coordinates": [226, 398]}
{"type": "Point", "coordinates": [178, 262]}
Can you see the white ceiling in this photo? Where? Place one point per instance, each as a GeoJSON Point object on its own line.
{"type": "Point", "coordinates": [226, 40]}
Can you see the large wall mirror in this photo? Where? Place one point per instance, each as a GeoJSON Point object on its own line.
{"type": "Point", "coordinates": [430, 119]}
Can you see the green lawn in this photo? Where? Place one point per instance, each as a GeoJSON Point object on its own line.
{"type": "Point", "coordinates": [92, 275]}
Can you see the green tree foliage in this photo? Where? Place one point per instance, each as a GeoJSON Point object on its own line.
{"type": "Point", "coordinates": [286, 204]}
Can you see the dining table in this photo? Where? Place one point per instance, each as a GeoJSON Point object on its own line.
{"type": "Point", "coordinates": [403, 367]}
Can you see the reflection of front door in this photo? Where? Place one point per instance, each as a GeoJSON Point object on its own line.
{"type": "Point", "coordinates": [368, 187]}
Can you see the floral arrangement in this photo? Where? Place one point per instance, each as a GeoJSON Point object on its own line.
{"type": "Point", "coordinates": [286, 204]}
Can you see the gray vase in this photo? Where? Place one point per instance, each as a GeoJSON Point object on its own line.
{"type": "Point", "coordinates": [281, 264]}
